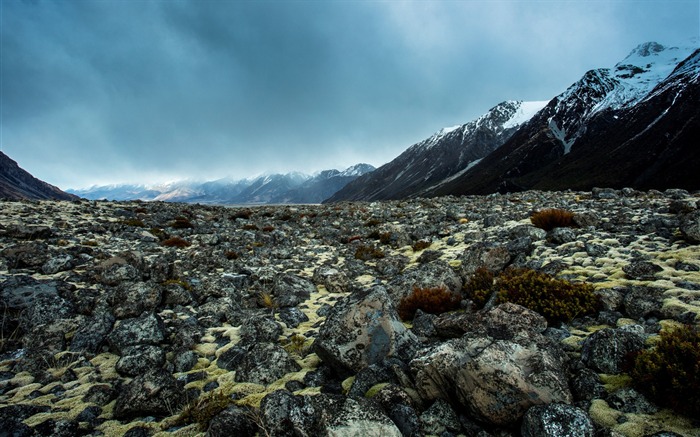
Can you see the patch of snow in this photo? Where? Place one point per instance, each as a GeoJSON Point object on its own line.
{"type": "Point", "coordinates": [525, 111]}
{"type": "Point", "coordinates": [560, 134]}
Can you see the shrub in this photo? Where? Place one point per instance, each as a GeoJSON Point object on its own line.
{"type": "Point", "coordinates": [250, 227]}
{"type": "Point", "coordinates": [420, 245]}
{"type": "Point", "coordinates": [549, 219]}
{"type": "Point", "coordinates": [367, 253]}
{"type": "Point", "coordinates": [268, 228]}
{"type": "Point", "coordinates": [670, 373]}
{"type": "Point", "coordinates": [242, 214]}
{"type": "Point", "coordinates": [434, 300]}
{"type": "Point", "coordinates": [182, 223]}
{"type": "Point", "coordinates": [556, 299]}
{"type": "Point", "coordinates": [176, 242]}
{"type": "Point", "coordinates": [137, 223]}
{"type": "Point", "coordinates": [479, 286]}
{"type": "Point", "coordinates": [373, 222]}
{"type": "Point", "coordinates": [231, 255]}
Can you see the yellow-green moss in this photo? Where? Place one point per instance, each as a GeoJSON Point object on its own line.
{"type": "Point", "coordinates": [615, 382]}
{"type": "Point", "coordinates": [372, 392]}
{"type": "Point", "coordinates": [602, 414]}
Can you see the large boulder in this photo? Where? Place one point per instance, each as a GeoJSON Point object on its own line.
{"type": "Point", "coordinates": [146, 329]}
{"type": "Point", "coordinates": [290, 290]}
{"type": "Point", "coordinates": [153, 393]}
{"type": "Point", "coordinates": [605, 350]}
{"type": "Point", "coordinates": [132, 299]}
{"type": "Point", "coordinates": [433, 274]}
{"type": "Point", "coordinates": [265, 363]}
{"type": "Point", "coordinates": [556, 420]}
{"type": "Point", "coordinates": [690, 227]}
{"type": "Point", "coordinates": [362, 329]}
{"type": "Point", "coordinates": [498, 369]}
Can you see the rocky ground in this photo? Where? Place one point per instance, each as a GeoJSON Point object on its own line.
{"type": "Point", "coordinates": [156, 318]}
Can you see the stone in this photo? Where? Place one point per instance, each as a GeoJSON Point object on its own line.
{"type": "Point", "coordinates": [153, 393]}
{"type": "Point", "coordinates": [561, 235]}
{"type": "Point", "coordinates": [290, 290]}
{"type": "Point", "coordinates": [146, 329]}
{"type": "Point", "coordinates": [440, 418]}
{"type": "Point", "coordinates": [132, 299]}
{"type": "Point", "coordinates": [57, 264]}
{"type": "Point", "coordinates": [331, 278]}
{"type": "Point", "coordinates": [642, 302]}
{"type": "Point", "coordinates": [642, 270]}
{"type": "Point", "coordinates": [265, 364]}
{"type": "Point", "coordinates": [690, 227]}
{"type": "Point", "coordinates": [629, 400]}
{"type": "Point", "coordinates": [430, 275]}
{"type": "Point", "coordinates": [260, 329]}
{"type": "Point", "coordinates": [604, 351]}
{"type": "Point", "coordinates": [362, 329]}
{"type": "Point", "coordinates": [399, 406]}
{"type": "Point", "coordinates": [138, 359]}
{"type": "Point", "coordinates": [233, 420]}
{"type": "Point", "coordinates": [231, 358]}
{"type": "Point", "coordinates": [556, 420]}
{"type": "Point", "coordinates": [292, 316]}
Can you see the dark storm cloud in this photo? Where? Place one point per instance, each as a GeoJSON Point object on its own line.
{"type": "Point", "coordinates": [109, 91]}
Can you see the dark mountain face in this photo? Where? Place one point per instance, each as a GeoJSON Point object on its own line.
{"type": "Point", "coordinates": [651, 144]}
{"type": "Point", "coordinates": [18, 184]}
{"type": "Point", "coordinates": [438, 158]}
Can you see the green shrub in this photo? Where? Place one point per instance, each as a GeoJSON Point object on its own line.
{"type": "Point", "coordinates": [557, 300]}
{"type": "Point", "coordinates": [670, 372]}
{"type": "Point", "coordinates": [549, 219]}
{"type": "Point", "coordinates": [367, 253]}
{"type": "Point", "coordinates": [433, 300]}
{"type": "Point", "coordinates": [479, 286]}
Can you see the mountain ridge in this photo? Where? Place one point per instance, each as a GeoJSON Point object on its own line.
{"type": "Point", "coordinates": [17, 184]}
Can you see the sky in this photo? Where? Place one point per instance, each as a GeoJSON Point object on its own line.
{"type": "Point", "coordinates": [122, 91]}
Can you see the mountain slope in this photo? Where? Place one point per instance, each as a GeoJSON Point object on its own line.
{"type": "Point", "coordinates": [444, 155]}
{"type": "Point", "coordinates": [18, 184]}
{"type": "Point", "coordinates": [631, 127]}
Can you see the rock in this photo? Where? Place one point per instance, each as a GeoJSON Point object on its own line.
{"type": "Point", "coordinates": [362, 329]}
{"type": "Point", "coordinates": [556, 420]}
{"type": "Point", "coordinates": [429, 255]}
{"type": "Point", "coordinates": [185, 361]}
{"type": "Point", "coordinates": [118, 272]}
{"type": "Point", "coordinates": [57, 264]}
{"type": "Point", "coordinates": [398, 405]}
{"type": "Point", "coordinates": [586, 385]}
{"type": "Point", "coordinates": [132, 299]}
{"type": "Point", "coordinates": [495, 378]}
{"type": "Point", "coordinates": [586, 219]}
{"type": "Point", "coordinates": [332, 279]}
{"type": "Point", "coordinates": [291, 290]}
{"type": "Point", "coordinates": [217, 311]}
{"type": "Point", "coordinates": [690, 227]}
{"type": "Point", "coordinates": [682, 206]}
{"type": "Point", "coordinates": [434, 274]}
{"type": "Point", "coordinates": [146, 329]}
{"type": "Point", "coordinates": [629, 400]}
{"type": "Point", "coordinates": [100, 394]}
{"type": "Point", "coordinates": [284, 414]}
{"type": "Point", "coordinates": [233, 420]}
{"type": "Point", "coordinates": [561, 235]}
{"type": "Point", "coordinates": [605, 193]}
{"type": "Point", "coordinates": [642, 270]}
{"type": "Point", "coordinates": [642, 302]}
{"type": "Point", "coordinates": [46, 309]}
{"type": "Point", "coordinates": [350, 417]}
{"type": "Point", "coordinates": [136, 360]}
{"type": "Point", "coordinates": [153, 393]}
{"type": "Point", "coordinates": [231, 358]}
{"type": "Point", "coordinates": [292, 317]}
{"type": "Point", "coordinates": [265, 364]}
{"type": "Point", "coordinates": [440, 418]}
{"type": "Point", "coordinates": [12, 417]}
{"type": "Point", "coordinates": [423, 324]}
{"type": "Point", "coordinates": [260, 329]}
{"type": "Point", "coordinates": [605, 350]}
{"type": "Point", "coordinates": [494, 258]}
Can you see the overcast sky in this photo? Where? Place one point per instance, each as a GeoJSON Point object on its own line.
{"type": "Point", "coordinates": [97, 92]}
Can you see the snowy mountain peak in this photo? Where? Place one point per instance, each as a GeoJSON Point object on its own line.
{"type": "Point", "coordinates": [524, 112]}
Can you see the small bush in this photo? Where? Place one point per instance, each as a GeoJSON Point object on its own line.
{"type": "Point", "coordinates": [137, 223]}
{"type": "Point", "coordinates": [268, 228]}
{"type": "Point", "coordinates": [231, 255]}
{"type": "Point", "coordinates": [181, 223]}
{"type": "Point", "coordinates": [556, 299]}
{"type": "Point", "coordinates": [670, 373]}
{"type": "Point", "coordinates": [433, 300]}
{"type": "Point", "coordinates": [373, 222]}
{"type": "Point", "coordinates": [242, 214]}
{"type": "Point", "coordinates": [368, 253]}
{"type": "Point", "coordinates": [385, 237]}
{"type": "Point", "coordinates": [176, 242]}
{"type": "Point", "coordinates": [479, 286]}
{"type": "Point", "coordinates": [158, 233]}
{"type": "Point", "coordinates": [420, 245]}
{"type": "Point", "coordinates": [250, 227]}
{"type": "Point", "coordinates": [549, 219]}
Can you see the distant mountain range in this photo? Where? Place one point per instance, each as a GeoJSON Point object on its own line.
{"type": "Point", "coordinates": [18, 184]}
{"type": "Point", "coordinates": [634, 125]}
{"type": "Point", "coordinates": [267, 189]}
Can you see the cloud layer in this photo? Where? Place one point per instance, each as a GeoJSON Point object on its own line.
{"type": "Point", "coordinates": [116, 91]}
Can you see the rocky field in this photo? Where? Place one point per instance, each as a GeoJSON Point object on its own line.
{"type": "Point", "coordinates": [171, 319]}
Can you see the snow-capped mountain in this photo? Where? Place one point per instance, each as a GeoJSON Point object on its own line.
{"type": "Point", "coordinates": [270, 188]}
{"type": "Point", "coordinates": [627, 126]}
{"type": "Point", "coordinates": [446, 154]}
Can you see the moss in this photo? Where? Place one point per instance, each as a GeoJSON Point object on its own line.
{"type": "Point", "coordinates": [203, 409]}
{"type": "Point", "coordinates": [372, 392]}
{"type": "Point", "coordinates": [615, 382]}
{"type": "Point", "coordinates": [347, 383]}
{"type": "Point", "coordinates": [602, 414]}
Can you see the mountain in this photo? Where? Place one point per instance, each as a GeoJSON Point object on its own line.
{"type": "Point", "coordinates": [635, 125]}
{"type": "Point", "coordinates": [18, 184]}
{"type": "Point", "coordinates": [445, 155]}
{"type": "Point", "coordinates": [267, 189]}
{"type": "Point", "coordinates": [631, 125]}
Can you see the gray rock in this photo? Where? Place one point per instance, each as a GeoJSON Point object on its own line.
{"type": "Point", "coordinates": [185, 361]}
{"type": "Point", "coordinates": [350, 417]}
{"type": "Point", "coordinates": [440, 417]}
{"type": "Point", "coordinates": [132, 299]}
{"type": "Point", "coordinates": [556, 420]}
{"type": "Point", "coordinates": [561, 235]}
{"type": "Point", "coordinates": [642, 270]}
{"type": "Point", "coordinates": [260, 329]}
{"type": "Point", "coordinates": [92, 333]}
{"type": "Point", "coordinates": [57, 264]}
{"type": "Point", "coordinates": [136, 360]}
{"type": "Point", "coordinates": [290, 290]}
{"type": "Point", "coordinates": [232, 358]}
{"type": "Point", "coordinates": [146, 329]}
{"type": "Point", "coordinates": [434, 274]}
{"type": "Point", "coordinates": [586, 385]}
{"type": "Point", "coordinates": [46, 309]}
{"type": "Point", "coordinates": [605, 193]}
{"type": "Point", "coordinates": [284, 414]}
{"type": "Point", "coordinates": [690, 227]}
{"type": "Point", "coordinates": [605, 350]}
{"type": "Point", "coordinates": [629, 400]}
{"type": "Point", "coordinates": [495, 379]}
{"type": "Point", "coordinates": [587, 219]}
{"type": "Point", "coordinates": [642, 302]}
{"type": "Point", "coordinates": [153, 393]}
{"type": "Point", "coordinates": [265, 364]}
{"type": "Point", "coordinates": [118, 272]}
{"type": "Point", "coordinates": [331, 278]}
{"type": "Point", "coordinates": [362, 329]}
{"type": "Point", "coordinates": [398, 405]}
{"type": "Point", "coordinates": [494, 258]}
{"type": "Point", "coordinates": [233, 420]}
{"type": "Point", "coordinates": [292, 316]}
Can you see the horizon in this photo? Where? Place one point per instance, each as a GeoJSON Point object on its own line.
{"type": "Point", "coordinates": [113, 93]}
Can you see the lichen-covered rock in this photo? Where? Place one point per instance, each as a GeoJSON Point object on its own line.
{"type": "Point", "coordinates": [132, 299]}
{"type": "Point", "coordinates": [399, 406]}
{"type": "Point", "coordinates": [430, 275]}
{"type": "Point", "coordinates": [153, 393]}
{"type": "Point", "coordinates": [265, 363]}
{"type": "Point", "coordinates": [642, 270]}
{"type": "Point", "coordinates": [605, 350]}
{"type": "Point", "coordinates": [440, 418]}
{"type": "Point", "coordinates": [494, 258]}
{"type": "Point", "coordinates": [233, 420]}
{"type": "Point", "coordinates": [332, 279]}
{"type": "Point", "coordinates": [690, 227]}
{"type": "Point", "coordinates": [136, 360]}
{"type": "Point", "coordinates": [641, 302]}
{"type": "Point", "coordinates": [496, 376]}
{"type": "Point", "coordinates": [146, 329]}
{"type": "Point", "coordinates": [290, 290]}
{"type": "Point", "coordinates": [260, 329]}
{"type": "Point", "coordinates": [362, 329]}
{"type": "Point", "coordinates": [57, 264]}
{"type": "Point", "coordinates": [556, 420]}
{"type": "Point", "coordinates": [292, 316]}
